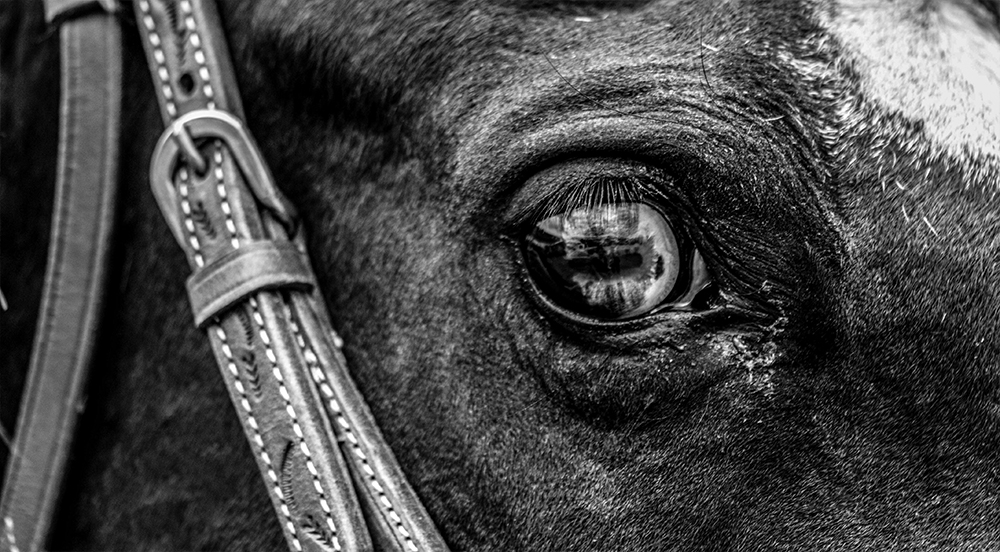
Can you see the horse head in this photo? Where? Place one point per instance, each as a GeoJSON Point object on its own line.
{"type": "Point", "coordinates": [623, 275]}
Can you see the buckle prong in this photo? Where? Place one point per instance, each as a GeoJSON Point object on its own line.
{"type": "Point", "coordinates": [179, 140]}
{"type": "Point", "coordinates": [189, 149]}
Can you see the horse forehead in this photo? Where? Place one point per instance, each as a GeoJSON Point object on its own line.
{"type": "Point", "coordinates": [932, 62]}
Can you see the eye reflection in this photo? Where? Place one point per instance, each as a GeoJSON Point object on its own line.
{"type": "Point", "coordinates": [611, 261]}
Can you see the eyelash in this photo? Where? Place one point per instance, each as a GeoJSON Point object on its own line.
{"type": "Point", "coordinates": [590, 191]}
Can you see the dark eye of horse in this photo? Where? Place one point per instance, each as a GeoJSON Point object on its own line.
{"type": "Point", "coordinates": [610, 262]}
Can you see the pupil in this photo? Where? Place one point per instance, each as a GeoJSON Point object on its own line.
{"type": "Point", "coordinates": [612, 261]}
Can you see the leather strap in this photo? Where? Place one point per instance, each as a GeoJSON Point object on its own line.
{"type": "Point", "coordinates": [82, 221]}
{"type": "Point", "coordinates": [320, 454]}
{"type": "Point", "coordinates": [236, 275]}
{"type": "Point", "coordinates": [60, 10]}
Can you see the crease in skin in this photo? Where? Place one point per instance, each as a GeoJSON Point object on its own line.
{"type": "Point", "coordinates": [935, 62]}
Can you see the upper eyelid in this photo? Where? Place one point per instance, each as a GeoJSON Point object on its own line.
{"type": "Point", "coordinates": [496, 160]}
{"type": "Point", "coordinates": [583, 182]}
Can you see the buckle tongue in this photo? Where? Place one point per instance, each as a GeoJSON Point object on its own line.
{"type": "Point", "coordinates": [189, 148]}
{"type": "Point", "coordinates": [179, 139]}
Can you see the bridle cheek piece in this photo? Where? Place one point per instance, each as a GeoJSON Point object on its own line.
{"type": "Point", "coordinates": [333, 481]}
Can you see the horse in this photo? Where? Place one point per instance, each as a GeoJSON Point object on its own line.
{"type": "Point", "coordinates": [798, 352]}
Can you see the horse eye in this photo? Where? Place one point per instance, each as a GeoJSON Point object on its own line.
{"type": "Point", "coordinates": [612, 261]}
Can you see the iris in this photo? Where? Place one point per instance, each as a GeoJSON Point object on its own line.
{"type": "Point", "coordinates": [611, 261]}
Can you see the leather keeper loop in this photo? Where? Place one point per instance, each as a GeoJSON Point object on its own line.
{"type": "Point", "coordinates": [255, 266]}
{"type": "Point", "coordinates": [57, 11]}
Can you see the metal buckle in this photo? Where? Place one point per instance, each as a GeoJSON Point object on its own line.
{"type": "Point", "coordinates": [179, 138]}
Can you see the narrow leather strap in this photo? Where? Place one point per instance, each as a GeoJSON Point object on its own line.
{"type": "Point", "coordinates": [201, 186]}
{"type": "Point", "coordinates": [218, 196]}
{"type": "Point", "coordinates": [236, 275]}
{"type": "Point", "coordinates": [82, 220]}
{"type": "Point", "coordinates": [310, 431]}
{"type": "Point", "coordinates": [395, 514]}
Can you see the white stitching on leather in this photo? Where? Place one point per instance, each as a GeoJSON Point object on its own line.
{"type": "Point", "coordinates": [220, 187]}
{"type": "Point", "coordinates": [203, 73]}
{"type": "Point", "coordinates": [252, 422]}
{"type": "Point", "coordinates": [168, 95]}
{"type": "Point", "coordinates": [320, 379]}
{"type": "Point", "coordinates": [8, 523]}
{"type": "Point", "coordinates": [159, 57]}
{"type": "Point", "coordinates": [259, 320]}
{"type": "Point", "coordinates": [182, 189]}
{"type": "Point", "coordinates": [199, 55]}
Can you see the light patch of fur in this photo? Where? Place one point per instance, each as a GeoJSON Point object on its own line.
{"type": "Point", "coordinates": [755, 357]}
{"type": "Point", "coordinates": [937, 63]}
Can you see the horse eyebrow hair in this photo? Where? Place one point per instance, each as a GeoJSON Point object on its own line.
{"type": "Point", "coordinates": [594, 100]}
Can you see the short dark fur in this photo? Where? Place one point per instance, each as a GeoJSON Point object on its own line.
{"type": "Point", "coordinates": [845, 397]}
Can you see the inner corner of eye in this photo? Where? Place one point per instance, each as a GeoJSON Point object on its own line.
{"type": "Point", "coordinates": [609, 261]}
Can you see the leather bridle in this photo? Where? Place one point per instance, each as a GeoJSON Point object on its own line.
{"type": "Point", "coordinates": [332, 479]}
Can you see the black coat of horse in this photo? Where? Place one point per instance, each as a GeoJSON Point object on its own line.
{"type": "Point", "coordinates": [836, 165]}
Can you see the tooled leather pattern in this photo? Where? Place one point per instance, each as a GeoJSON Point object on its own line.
{"type": "Point", "coordinates": [295, 450]}
{"type": "Point", "coordinates": [275, 350]}
{"type": "Point", "coordinates": [183, 75]}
